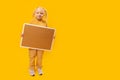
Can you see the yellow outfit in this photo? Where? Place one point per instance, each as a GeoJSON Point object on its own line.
{"type": "Point", "coordinates": [33, 53]}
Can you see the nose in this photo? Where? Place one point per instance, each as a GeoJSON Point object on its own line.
{"type": "Point", "coordinates": [39, 15]}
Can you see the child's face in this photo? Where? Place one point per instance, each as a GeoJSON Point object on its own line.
{"type": "Point", "coordinates": [39, 13]}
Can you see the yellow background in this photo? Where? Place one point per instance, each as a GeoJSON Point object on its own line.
{"type": "Point", "coordinates": [87, 44]}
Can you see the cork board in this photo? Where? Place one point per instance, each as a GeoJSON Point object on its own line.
{"type": "Point", "coordinates": [37, 37]}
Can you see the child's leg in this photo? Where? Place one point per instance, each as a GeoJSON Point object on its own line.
{"type": "Point", "coordinates": [32, 55]}
{"type": "Point", "coordinates": [39, 58]}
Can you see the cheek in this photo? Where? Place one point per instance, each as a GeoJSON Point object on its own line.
{"type": "Point", "coordinates": [36, 15]}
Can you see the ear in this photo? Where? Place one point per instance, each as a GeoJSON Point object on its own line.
{"type": "Point", "coordinates": [45, 12]}
{"type": "Point", "coordinates": [45, 15]}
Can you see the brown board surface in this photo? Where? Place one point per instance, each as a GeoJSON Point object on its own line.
{"type": "Point", "coordinates": [37, 37]}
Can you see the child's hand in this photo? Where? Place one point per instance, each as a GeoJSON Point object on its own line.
{"type": "Point", "coordinates": [54, 37]}
{"type": "Point", "coordinates": [22, 35]}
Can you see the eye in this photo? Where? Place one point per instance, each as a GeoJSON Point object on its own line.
{"type": "Point", "coordinates": [37, 12]}
{"type": "Point", "coordinates": [41, 13]}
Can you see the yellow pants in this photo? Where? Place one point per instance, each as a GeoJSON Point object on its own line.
{"type": "Point", "coordinates": [35, 57]}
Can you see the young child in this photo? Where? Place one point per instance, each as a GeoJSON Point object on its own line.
{"type": "Point", "coordinates": [39, 18]}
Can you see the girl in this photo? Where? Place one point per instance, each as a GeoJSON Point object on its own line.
{"type": "Point", "coordinates": [39, 18]}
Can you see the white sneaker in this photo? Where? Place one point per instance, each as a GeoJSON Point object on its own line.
{"type": "Point", "coordinates": [40, 71]}
{"type": "Point", "coordinates": [32, 73]}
